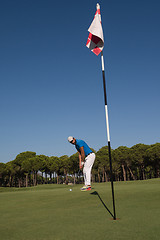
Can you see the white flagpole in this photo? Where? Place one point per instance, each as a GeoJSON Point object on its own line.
{"type": "Point", "coordinates": [105, 96]}
{"type": "Point", "coordinates": [95, 43]}
{"type": "Point", "coordinates": [108, 134]}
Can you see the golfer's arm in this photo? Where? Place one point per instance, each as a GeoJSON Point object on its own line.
{"type": "Point", "coordinates": [79, 160]}
{"type": "Point", "coordinates": [82, 154]}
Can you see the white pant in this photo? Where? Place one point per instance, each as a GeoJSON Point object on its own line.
{"type": "Point", "coordinates": [89, 160]}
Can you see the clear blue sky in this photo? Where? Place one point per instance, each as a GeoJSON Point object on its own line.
{"type": "Point", "coordinates": [51, 84]}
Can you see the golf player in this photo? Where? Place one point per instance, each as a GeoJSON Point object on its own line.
{"type": "Point", "coordinates": [86, 160]}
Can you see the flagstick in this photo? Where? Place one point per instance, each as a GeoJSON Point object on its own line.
{"type": "Point", "coordinates": [108, 135]}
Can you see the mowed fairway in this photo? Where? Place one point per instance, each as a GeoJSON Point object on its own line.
{"type": "Point", "coordinates": [53, 212]}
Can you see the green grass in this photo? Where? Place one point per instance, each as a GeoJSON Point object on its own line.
{"type": "Point", "coordinates": [52, 212]}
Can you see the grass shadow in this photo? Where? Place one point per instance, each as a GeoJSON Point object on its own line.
{"type": "Point", "coordinates": [97, 194]}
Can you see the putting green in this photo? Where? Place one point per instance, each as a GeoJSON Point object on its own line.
{"type": "Point", "coordinates": [53, 212]}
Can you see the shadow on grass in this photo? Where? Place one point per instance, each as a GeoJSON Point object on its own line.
{"type": "Point", "coordinates": [96, 193]}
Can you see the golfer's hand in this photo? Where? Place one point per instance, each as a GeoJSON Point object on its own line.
{"type": "Point", "coordinates": [81, 165]}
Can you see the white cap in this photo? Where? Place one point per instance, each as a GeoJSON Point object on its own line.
{"type": "Point", "coordinates": [70, 139]}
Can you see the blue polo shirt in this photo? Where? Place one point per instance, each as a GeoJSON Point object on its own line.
{"type": "Point", "coordinates": [81, 143]}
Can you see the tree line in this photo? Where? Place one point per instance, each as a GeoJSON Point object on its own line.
{"type": "Point", "coordinates": [138, 162]}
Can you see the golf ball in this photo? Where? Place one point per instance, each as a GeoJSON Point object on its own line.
{"type": "Point", "coordinates": [70, 189]}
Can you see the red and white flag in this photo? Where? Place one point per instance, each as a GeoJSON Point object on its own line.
{"type": "Point", "coordinates": [95, 40]}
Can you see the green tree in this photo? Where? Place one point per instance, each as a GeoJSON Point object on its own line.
{"type": "Point", "coordinates": [121, 156]}
{"type": "Point", "coordinates": [102, 164]}
{"type": "Point", "coordinates": [153, 158]}
{"type": "Point", "coordinates": [65, 166]}
{"type": "Point", "coordinates": [42, 164]}
{"type": "Point", "coordinates": [53, 165]}
{"type": "Point", "coordinates": [73, 165]}
{"type": "Point", "coordinates": [2, 173]}
{"type": "Point", "coordinates": [18, 163]}
{"type": "Point", "coordinates": [56, 166]}
{"type": "Point", "coordinates": [35, 165]}
{"type": "Point", "coordinates": [138, 156]}
{"type": "Point", "coordinates": [11, 171]}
